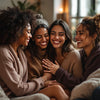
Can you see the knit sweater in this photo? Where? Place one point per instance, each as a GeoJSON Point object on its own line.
{"type": "Point", "coordinates": [14, 73]}
{"type": "Point", "coordinates": [90, 64]}
{"type": "Point", "coordinates": [71, 66]}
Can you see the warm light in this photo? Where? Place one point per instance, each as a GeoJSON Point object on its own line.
{"type": "Point", "coordinates": [61, 10]}
{"type": "Point", "coordinates": [73, 28]}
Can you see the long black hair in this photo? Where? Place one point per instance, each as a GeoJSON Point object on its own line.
{"type": "Point", "coordinates": [68, 41]}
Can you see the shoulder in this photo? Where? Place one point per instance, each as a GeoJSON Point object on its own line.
{"type": "Point", "coordinates": [5, 54]}
{"type": "Point", "coordinates": [95, 74]}
{"type": "Point", "coordinates": [97, 50]}
{"type": "Point", "coordinates": [74, 53]}
{"type": "Point", "coordinates": [4, 50]}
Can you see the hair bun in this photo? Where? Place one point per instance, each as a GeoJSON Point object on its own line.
{"type": "Point", "coordinates": [40, 20]}
{"type": "Point", "coordinates": [97, 22]}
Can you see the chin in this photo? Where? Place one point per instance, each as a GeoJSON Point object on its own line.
{"type": "Point", "coordinates": [26, 44]}
{"type": "Point", "coordinates": [79, 46]}
{"type": "Point", "coordinates": [44, 48]}
{"type": "Point", "coordinates": [56, 46]}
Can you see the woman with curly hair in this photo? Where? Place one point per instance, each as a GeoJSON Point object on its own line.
{"type": "Point", "coordinates": [88, 41]}
{"type": "Point", "coordinates": [15, 32]}
{"type": "Point", "coordinates": [87, 36]}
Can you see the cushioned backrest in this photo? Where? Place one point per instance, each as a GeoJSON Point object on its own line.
{"type": "Point", "coordinates": [3, 95]}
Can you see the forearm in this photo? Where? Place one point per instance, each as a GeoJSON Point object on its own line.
{"type": "Point", "coordinates": [67, 79]}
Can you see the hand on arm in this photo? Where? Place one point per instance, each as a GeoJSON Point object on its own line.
{"type": "Point", "coordinates": [50, 66]}
{"type": "Point", "coordinates": [46, 76]}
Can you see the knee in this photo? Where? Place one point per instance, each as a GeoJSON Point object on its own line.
{"type": "Point", "coordinates": [57, 87]}
{"type": "Point", "coordinates": [40, 96]}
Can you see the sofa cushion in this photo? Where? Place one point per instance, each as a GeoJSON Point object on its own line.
{"type": "Point", "coordinates": [3, 95]}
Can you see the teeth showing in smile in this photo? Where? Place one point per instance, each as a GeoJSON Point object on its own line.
{"type": "Point", "coordinates": [27, 40]}
{"type": "Point", "coordinates": [56, 42]}
{"type": "Point", "coordinates": [44, 43]}
{"type": "Point", "coordinates": [78, 41]}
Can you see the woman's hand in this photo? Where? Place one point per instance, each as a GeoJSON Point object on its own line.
{"type": "Point", "coordinates": [46, 76]}
{"type": "Point", "coordinates": [50, 66]}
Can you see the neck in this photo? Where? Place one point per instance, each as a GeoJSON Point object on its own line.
{"type": "Point", "coordinates": [42, 52]}
{"type": "Point", "coordinates": [59, 57]}
{"type": "Point", "coordinates": [88, 50]}
{"type": "Point", "coordinates": [15, 47]}
{"type": "Point", "coordinates": [59, 52]}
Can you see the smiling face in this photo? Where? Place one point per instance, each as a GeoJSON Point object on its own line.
{"type": "Point", "coordinates": [41, 38]}
{"type": "Point", "coordinates": [83, 39]}
{"type": "Point", "coordinates": [57, 36]}
{"type": "Point", "coordinates": [25, 37]}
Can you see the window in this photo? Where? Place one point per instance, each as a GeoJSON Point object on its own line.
{"type": "Point", "coordinates": [97, 5]}
{"type": "Point", "coordinates": [81, 8]}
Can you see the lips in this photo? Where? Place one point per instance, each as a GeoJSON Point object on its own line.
{"type": "Point", "coordinates": [56, 42]}
{"type": "Point", "coordinates": [44, 43]}
{"type": "Point", "coordinates": [78, 41]}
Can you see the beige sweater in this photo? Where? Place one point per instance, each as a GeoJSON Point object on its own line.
{"type": "Point", "coordinates": [72, 63]}
{"type": "Point", "coordinates": [14, 73]}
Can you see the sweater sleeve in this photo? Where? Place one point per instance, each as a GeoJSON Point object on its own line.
{"type": "Point", "coordinates": [13, 79]}
{"type": "Point", "coordinates": [70, 78]}
{"type": "Point", "coordinates": [67, 79]}
{"type": "Point", "coordinates": [77, 69]}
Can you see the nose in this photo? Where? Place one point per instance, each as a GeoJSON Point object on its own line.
{"type": "Point", "coordinates": [77, 37]}
{"type": "Point", "coordinates": [30, 35]}
{"type": "Point", "coordinates": [57, 36]}
{"type": "Point", "coordinates": [43, 38]}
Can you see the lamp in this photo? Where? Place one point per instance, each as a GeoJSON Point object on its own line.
{"type": "Point", "coordinates": [61, 15]}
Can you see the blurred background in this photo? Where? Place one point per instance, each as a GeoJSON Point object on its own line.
{"type": "Point", "coordinates": [72, 11]}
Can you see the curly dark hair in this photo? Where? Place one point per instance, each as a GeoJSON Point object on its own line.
{"type": "Point", "coordinates": [90, 25]}
{"type": "Point", "coordinates": [97, 22]}
{"type": "Point", "coordinates": [12, 23]}
{"type": "Point", "coordinates": [68, 41]}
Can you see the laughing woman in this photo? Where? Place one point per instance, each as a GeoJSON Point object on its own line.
{"type": "Point", "coordinates": [15, 32]}
{"type": "Point", "coordinates": [35, 52]}
{"type": "Point", "coordinates": [63, 54]}
{"type": "Point", "coordinates": [87, 40]}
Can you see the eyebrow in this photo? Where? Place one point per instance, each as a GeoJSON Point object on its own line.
{"type": "Point", "coordinates": [40, 34]}
{"type": "Point", "coordinates": [58, 32]}
{"type": "Point", "coordinates": [61, 32]}
{"type": "Point", "coordinates": [80, 31]}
